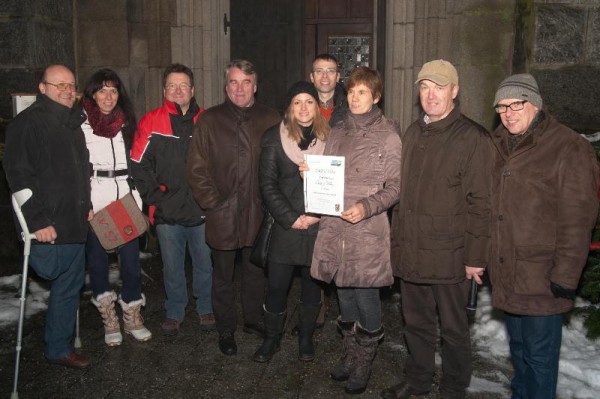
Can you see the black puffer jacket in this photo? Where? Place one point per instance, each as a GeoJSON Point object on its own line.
{"type": "Point", "coordinates": [283, 195]}
{"type": "Point", "coordinates": [46, 152]}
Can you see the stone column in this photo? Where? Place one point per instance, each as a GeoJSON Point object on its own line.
{"type": "Point", "coordinates": [475, 35]}
{"type": "Point", "coordinates": [199, 41]}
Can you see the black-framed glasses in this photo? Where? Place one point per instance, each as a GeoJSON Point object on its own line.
{"type": "Point", "coordinates": [174, 86]}
{"type": "Point", "coordinates": [63, 86]}
{"type": "Point", "coordinates": [516, 106]}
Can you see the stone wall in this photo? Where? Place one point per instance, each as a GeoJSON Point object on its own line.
{"type": "Point", "coordinates": [561, 48]}
{"type": "Point", "coordinates": [475, 35]}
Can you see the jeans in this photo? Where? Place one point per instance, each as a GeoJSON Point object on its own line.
{"type": "Point", "coordinates": [535, 350]}
{"type": "Point", "coordinates": [64, 265]}
{"type": "Point", "coordinates": [129, 262]}
{"type": "Point", "coordinates": [173, 240]}
{"type": "Point", "coordinates": [362, 305]}
{"type": "Point", "coordinates": [279, 280]}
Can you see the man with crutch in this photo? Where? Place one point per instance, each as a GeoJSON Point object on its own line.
{"type": "Point", "coordinates": [46, 153]}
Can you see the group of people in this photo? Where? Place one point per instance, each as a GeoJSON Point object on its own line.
{"type": "Point", "coordinates": [519, 202]}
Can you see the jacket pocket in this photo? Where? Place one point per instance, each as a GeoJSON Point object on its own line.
{"type": "Point", "coordinates": [532, 269]}
{"type": "Point", "coordinates": [440, 258]}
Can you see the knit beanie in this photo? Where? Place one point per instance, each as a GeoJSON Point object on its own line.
{"type": "Point", "coordinates": [301, 87]}
{"type": "Point", "coordinates": [521, 86]}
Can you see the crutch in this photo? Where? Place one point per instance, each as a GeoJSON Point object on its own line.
{"type": "Point", "coordinates": [18, 199]}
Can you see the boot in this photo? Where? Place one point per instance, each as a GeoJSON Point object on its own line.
{"type": "Point", "coordinates": [342, 371]}
{"type": "Point", "coordinates": [105, 303]}
{"type": "Point", "coordinates": [306, 328]}
{"type": "Point", "coordinates": [133, 321]}
{"type": "Point", "coordinates": [365, 353]}
{"type": "Point", "coordinates": [274, 327]}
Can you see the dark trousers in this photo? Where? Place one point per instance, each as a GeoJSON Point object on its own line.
{"type": "Point", "coordinates": [419, 304]}
{"type": "Point", "coordinates": [223, 295]}
{"type": "Point", "coordinates": [534, 350]}
{"type": "Point", "coordinates": [129, 263]}
{"type": "Point", "coordinates": [362, 305]}
{"type": "Point", "coordinates": [280, 277]}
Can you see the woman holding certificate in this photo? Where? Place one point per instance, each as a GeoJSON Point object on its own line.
{"type": "Point", "coordinates": [303, 131]}
{"type": "Point", "coordinates": [354, 249]}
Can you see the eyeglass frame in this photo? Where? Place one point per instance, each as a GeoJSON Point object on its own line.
{"type": "Point", "coordinates": [175, 86]}
{"type": "Point", "coordinates": [328, 71]}
{"type": "Point", "coordinates": [506, 107]}
{"type": "Point", "coordinates": [66, 86]}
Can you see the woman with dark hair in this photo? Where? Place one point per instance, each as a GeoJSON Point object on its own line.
{"type": "Point", "coordinates": [354, 249]}
{"type": "Point", "coordinates": [303, 131]}
{"type": "Point", "coordinates": [109, 131]}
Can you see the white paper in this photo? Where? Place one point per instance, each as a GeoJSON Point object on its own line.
{"type": "Point", "coordinates": [324, 184]}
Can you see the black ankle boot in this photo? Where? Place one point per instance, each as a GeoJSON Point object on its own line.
{"type": "Point", "coordinates": [306, 328]}
{"type": "Point", "coordinates": [274, 326]}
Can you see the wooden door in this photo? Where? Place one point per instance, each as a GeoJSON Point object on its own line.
{"type": "Point", "coordinates": [342, 28]}
{"type": "Point", "coordinates": [268, 33]}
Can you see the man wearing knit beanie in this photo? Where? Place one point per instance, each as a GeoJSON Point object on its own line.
{"type": "Point", "coordinates": [544, 207]}
{"type": "Point", "coordinates": [440, 233]}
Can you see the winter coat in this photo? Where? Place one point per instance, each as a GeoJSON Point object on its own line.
{"type": "Point", "coordinates": [358, 255]}
{"type": "Point", "coordinates": [158, 165]}
{"type": "Point", "coordinates": [340, 104]}
{"type": "Point", "coordinates": [442, 221]}
{"type": "Point", "coordinates": [45, 152]}
{"type": "Point", "coordinates": [107, 154]}
{"type": "Point", "coordinates": [282, 192]}
{"type": "Point", "coordinates": [544, 208]}
{"type": "Point", "coordinates": [223, 171]}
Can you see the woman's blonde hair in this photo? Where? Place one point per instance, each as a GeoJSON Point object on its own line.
{"type": "Point", "coordinates": [320, 125]}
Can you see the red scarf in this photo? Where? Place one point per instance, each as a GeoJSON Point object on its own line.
{"type": "Point", "coordinates": [104, 125]}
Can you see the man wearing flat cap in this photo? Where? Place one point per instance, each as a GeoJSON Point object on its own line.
{"type": "Point", "coordinates": [440, 233]}
{"type": "Point", "coordinates": [544, 207]}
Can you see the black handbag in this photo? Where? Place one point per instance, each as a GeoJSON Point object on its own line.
{"type": "Point", "coordinates": [260, 249]}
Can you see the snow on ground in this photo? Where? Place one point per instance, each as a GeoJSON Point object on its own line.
{"type": "Point", "coordinates": [579, 370]}
{"type": "Point", "coordinates": [579, 367]}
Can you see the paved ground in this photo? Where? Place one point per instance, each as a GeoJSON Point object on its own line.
{"type": "Point", "coordinates": [190, 364]}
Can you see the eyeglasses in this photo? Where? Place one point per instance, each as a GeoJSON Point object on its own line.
{"type": "Point", "coordinates": [63, 86]}
{"type": "Point", "coordinates": [174, 86]}
{"type": "Point", "coordinates": [328, 71]}
{"type": "Point", "coordinates": [516, 106]}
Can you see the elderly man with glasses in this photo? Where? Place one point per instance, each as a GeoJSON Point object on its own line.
{"type": "Point", "coordinates": [544, 206]}
{"type": "Point", "coordinates": [46, 152]}
{"type": "Point", "coordinates": [158, 168]}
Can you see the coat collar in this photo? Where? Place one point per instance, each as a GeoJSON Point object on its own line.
{"type": "Point", "coordinates": [500, 136]}
{"type": "Point", "coordinates": [363, 121]}
{"type": "Point", "coordinates": [72, 117]}
{"type": "Point", "coordinates": [442, 125]}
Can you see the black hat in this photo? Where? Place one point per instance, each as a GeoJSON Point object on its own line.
{"type": "Point", "coordinates": [301, 87]}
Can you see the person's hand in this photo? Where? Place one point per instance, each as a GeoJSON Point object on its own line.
{"type": "Point", "coordinates": [299, 224]}
{"type": "Point", "coordinates": [47, 234]}
{"type": "Point", "coordinates": [303, 167]}
{"type": "Point", "coordinates": [474, 272]}
{"type": "Point", "coordinates": [90, 215]}
{"type": "Point", "coordinates": [354, 214]}
{"type": "Point", "coordinates": [310, 220]}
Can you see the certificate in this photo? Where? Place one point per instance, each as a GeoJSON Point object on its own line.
{"type": "Point", "coordinates": [324, 184]}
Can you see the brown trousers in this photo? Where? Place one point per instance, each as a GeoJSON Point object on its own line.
{"type": "Point", "coordinates": [419, 305]}
{"type": "Point", "coordinates": [252, 287]}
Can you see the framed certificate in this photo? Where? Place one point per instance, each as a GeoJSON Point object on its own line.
{"type": "Point", "coordinates": [324, 184]}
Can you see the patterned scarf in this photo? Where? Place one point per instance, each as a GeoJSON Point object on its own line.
{"type": "Point", "coordinates": [104, 125]}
